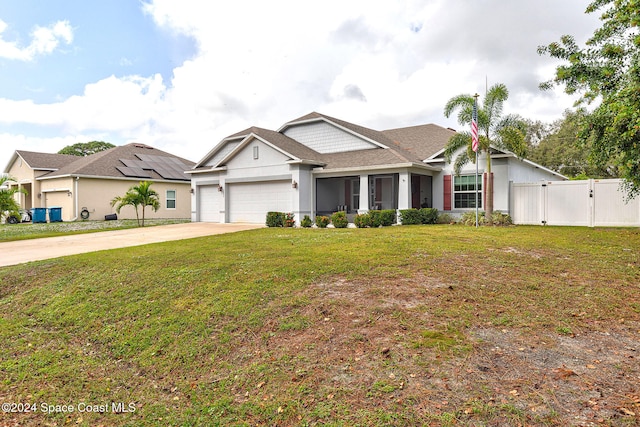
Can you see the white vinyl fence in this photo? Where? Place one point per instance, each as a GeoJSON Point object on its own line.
{"type": "Point", "coordinates": [591, 203]}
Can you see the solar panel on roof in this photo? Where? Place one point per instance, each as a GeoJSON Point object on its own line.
{"type": "Point", "coordinates": [166, 167]}
{"type": "Point", "coordinates": [133, 172]}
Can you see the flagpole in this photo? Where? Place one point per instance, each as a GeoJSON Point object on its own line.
{"type": "Point", "coordinates": [475, 145]}
{"type": "Point", "coordinates": [476, 189]}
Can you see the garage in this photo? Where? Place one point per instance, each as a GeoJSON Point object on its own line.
{"type": "Point", "coordinates": [210, 203]}
{"type": "Point", "coordinates": [250, 202]}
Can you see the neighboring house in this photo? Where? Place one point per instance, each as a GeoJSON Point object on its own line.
{"type": "Point", "coordinates": [84, 186]}
{"type": "Point", "coordinates": [316, 165]}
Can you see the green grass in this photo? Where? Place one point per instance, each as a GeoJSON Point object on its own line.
{"type": "Point", "coordinates": [25, 231]}
{"type": "Point", "coordinates": [301, 326]}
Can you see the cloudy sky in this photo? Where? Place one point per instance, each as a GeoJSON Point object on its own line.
{"type": "Point", "coordinates": [182, 75]}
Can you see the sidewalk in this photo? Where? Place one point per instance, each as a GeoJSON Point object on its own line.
{"type": "Point", "coordinates": [18, 252]}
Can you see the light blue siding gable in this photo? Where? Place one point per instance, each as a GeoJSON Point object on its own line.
{"type": "Point", "coordinates": [326, 138]}
{"type": "Point", "coordinates": [222, 153]}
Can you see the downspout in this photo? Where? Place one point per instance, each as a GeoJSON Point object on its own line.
{"type": "Point", "coordinates": [75, 199]}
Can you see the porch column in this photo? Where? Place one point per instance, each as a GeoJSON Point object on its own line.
{"type": "Point", "coordinates": [364, 194]}
{"type": "Point", "coordinates": [404, 190]}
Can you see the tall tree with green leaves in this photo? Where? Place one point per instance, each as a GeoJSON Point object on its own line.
{"type": "Point", "coordinates": [606, 71]}
{"type": "Point", "coordinates": [8, 203]}
{"type": "Point", "coordinates": [562, 151]}
{"type": "Point", "coordinates": [138, 195]}
{"type": "Point", "coordinates": [86, 148]}
{"type": "Point", "coordinates": [494, 131]}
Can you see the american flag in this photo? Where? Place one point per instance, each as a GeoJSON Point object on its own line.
{"type": "Point", "coordinates": [474, 126]}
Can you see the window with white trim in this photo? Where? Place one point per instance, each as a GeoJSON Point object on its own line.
{"type": "Point", "coordinates": [464, 191]}
{"type": "Point", "coordinates": [171, 199]}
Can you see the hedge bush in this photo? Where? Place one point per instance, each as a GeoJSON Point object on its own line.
{"type": "Point", "coordinates": [306, 222]}
{"type": "Point", "coordinates": [419, 216]}
{"type": "Point", "coordinates": [362, 220]}
{"type": "Point", "coordinates": [410, 217]}
{"type": "Point", "coordinates": [322, 221]}
{"type": "Point", "coordinates": [339, 219]}
{"type": "Point", "coordinates": [275, 219]}
{"type": "Point", "coordinates": [429, 215]}
{"type": "Point", "coordinates": [384, 218]}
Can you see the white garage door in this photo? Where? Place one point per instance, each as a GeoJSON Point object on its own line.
{"type": "Point", "coordinates": [250, 202]}
{"type": "Point", "coordinates": [209, 203]}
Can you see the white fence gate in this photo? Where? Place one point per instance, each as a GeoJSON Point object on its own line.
{"type": "Point", "coordinates": [591, 203]}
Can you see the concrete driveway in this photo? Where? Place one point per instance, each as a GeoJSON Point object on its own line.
{"type": "Point", "coordinates": [12, 253]}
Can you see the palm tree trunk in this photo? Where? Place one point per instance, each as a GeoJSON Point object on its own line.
{"type": "Point", "coordinates": [488, 207]}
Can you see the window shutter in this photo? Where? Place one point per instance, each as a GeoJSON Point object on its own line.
{"type": "Point", "coordinates": [447, 193]}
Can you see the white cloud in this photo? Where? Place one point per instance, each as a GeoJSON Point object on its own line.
{"type": "Point", "coordinates": [44, 40]}
{"type": "Point", "coordinates": [377, 63]}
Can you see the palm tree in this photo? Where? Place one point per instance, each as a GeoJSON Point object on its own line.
{"type": "Point", "coordinates": [494, 131]}
{"type": "Point", "coordinates": [8, 203]}
{"type": "Point", "coordinates": [138, 195]}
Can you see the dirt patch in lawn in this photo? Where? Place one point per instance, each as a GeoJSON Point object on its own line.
{"type": "Point", "coordinates": [387, 345]}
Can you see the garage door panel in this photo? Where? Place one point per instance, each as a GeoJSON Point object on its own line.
{"type": "Point", "coordinates": [209, 203]}
{"type": "Point", "coordinates": [250, 202]}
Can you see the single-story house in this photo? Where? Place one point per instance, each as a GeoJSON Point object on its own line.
{"type": "Point", "coordinates": [83, 187]}
{"type": "Point", "coordinates": [317, 165]}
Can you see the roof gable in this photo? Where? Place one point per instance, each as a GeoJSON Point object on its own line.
{"type": "Point", "coordinates": [44, 161]}
{"type": "Point", "coordinates": [232, 145]}
{"type": "Point", "coordinates": [326, 134]}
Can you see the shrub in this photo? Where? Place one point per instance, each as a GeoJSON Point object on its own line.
{"type": "Point", "coordinates": [339, 219]}
{"type": "Point", "coordinates": [322, 221]}
{"type": "Point", "coordinates": [306, 222]}
{"type": "Point", "coordinates": [289, 219]}
{"type": "Point", "coordinates": [446, 218]}
{"type": "Point", "coordinates": [469, 218]}
{"type": "Point", "coordinates": [275, 219]}
{"type": "Point", "coordinates": [499, 218]}
{"type": "Point", "coordinates": [362, 220]}
{"type": "Point", "coordinates": [383, 218]}
{"type": "Point", "coordinates": [428, 215]}
{"type": "Point", "coordinates": [410, 216]}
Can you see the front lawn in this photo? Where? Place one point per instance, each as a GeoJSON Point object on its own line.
{"type": "Point", "coordinates": [24, 231]}
{"type": "Point", "coordinates": [410, 325]}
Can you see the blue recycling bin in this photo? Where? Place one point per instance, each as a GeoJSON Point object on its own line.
{"type": "Point", "coordinates": [55, 214]}
{"type": "Point", "coordinates": [39, 215]}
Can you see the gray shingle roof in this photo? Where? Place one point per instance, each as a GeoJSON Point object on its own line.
{"type": "Point", "coordinates": [106, 163]}
{"type": "Point", "coordinates": [423, 141]}
{"type": "Point", "coordinates": [288, 145]}
{"type": "Point", "coordinates": [46, 161]}
{"type": "Point", "coordinates": [397, 146]}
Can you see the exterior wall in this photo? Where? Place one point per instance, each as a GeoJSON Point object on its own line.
{"type": "Point", "coordinates": [505, 171]}
{"type": "Point", "coordinates": [325, 138]}
{"type": "Point", "coordinates": [244, 168]}
{"type": "Point", "coordinates": [59, 193]}
{"type": "Point", "coordinates": [25, 177]}
{"type": "Point", "coordinates": [95, 194]}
